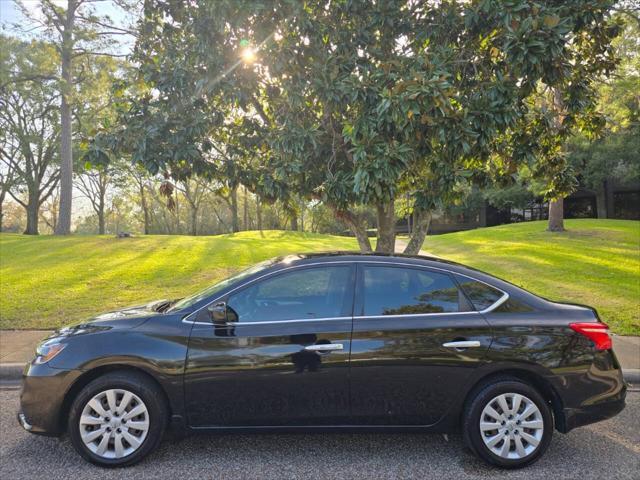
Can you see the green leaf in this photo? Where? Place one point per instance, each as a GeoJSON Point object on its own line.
{"type": "Point", "coordinates": [551, 21]}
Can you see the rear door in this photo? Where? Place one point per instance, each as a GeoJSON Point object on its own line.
{"type": "Point", "coordinates": [416, 340]}
{"type": "Point", "coordinates": [281, 358]}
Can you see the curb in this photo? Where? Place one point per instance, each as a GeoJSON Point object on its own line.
{"type": "Point", "coordinates": [12, 372]}
{"type": "Point", "coordinates": [632, 376]}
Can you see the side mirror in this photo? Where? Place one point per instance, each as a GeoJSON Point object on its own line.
{"type": "Point", "coordinates": [218, 312]}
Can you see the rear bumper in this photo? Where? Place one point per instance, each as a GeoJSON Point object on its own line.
{"type": "Point", "coordinates": [585, 415]}
{"type": "Point", "coordinates": [42, 398]}
{"type": "Point", "coordinates": [588, 395]}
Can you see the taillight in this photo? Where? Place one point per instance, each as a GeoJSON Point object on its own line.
{"type": "Point", "coordinates": [596, 332]}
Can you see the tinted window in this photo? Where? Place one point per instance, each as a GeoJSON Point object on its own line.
{"type": "Point", "coordinates": [306, 293]}
{"type": "Point", "coordinates": [513, 306]}
{"type": "Point", "coordinates": [398, 291]}
{"type": "Point", "coordinates": [481, 295]}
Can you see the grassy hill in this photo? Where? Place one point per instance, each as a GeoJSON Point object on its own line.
{"type": "Point", "coordinates": [596, 262]}
{"type": "Point", "coordinates": [51, 281]}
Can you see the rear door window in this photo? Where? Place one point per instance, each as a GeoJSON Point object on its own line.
{"type": "Point", "coordinates": [408, 291]}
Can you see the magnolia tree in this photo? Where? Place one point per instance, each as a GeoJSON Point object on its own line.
{"type": "Point", "coordinates": [362, 103]}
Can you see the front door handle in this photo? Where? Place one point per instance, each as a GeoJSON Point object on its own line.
{"type": "Point", "coordinates": [324, 347]}
{"type": "Point", "coordinates": [462, 344]}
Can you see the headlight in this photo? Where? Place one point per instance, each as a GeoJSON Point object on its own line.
{"type": "Point", "coordinates": [46, 352]}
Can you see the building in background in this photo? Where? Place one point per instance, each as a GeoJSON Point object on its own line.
{"type": "Point", "coordinates": [613, 200]}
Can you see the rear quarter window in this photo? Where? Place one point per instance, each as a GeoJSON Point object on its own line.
{"type": "Point", "coordinates": [514, 306]}
{"type": "Point", "coordinates": [481, 295]}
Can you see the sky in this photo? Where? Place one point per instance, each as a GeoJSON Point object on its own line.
{"type": "Point", "coordinates": [8, 11]}
{"type": "Point", "coordinates": [10, 14]}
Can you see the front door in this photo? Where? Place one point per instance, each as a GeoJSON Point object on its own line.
{"type": "Point", "coordinates": [280, 358]}
{"type": "Point", "coordinates": [402, 372]}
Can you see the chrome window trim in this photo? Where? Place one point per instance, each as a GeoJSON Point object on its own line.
{"type": "Point", "coordinates": [373, 317]}
{"type": "Point", "coordinates": [271, 322]}
{"type": "Point", "coordinates": [496, 304]}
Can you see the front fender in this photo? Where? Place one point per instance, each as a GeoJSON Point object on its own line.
{"type": "Point", "coordinates": [157, 347]}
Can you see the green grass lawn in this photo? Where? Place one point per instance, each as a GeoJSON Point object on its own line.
{"type": "Point", "coordinates": [595, 262]}
{"type": "Point", "coordinates": [50, 281]}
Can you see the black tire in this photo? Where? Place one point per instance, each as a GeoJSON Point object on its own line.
{"type": "Point", "coordinates": [136, 383]}
{"type": "Point", "coordinates": [473, 410]}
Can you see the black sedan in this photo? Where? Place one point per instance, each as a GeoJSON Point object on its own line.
{"type": "Point", "coordinates": [330, 341]}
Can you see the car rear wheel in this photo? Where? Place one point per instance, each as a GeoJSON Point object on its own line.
{"type": "Point", "coordinates": [508, 423]}
{"type": "Point", "coordinates": [117, 419]}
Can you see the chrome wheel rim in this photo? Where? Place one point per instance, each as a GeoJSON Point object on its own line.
{"type": "Point", "coordinates": [511, 426]}
{"type": "Point", "coordinates": [114, 423]}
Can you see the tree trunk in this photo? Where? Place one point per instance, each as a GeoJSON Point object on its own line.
{"type": "Point", "coordinates": [63, 227]}
{"type": "Point", "coordinates": [194, 221]}
{"type": "Point", "coordinates": [32, 208]}
{"type": "Point", "coordinates": [234, 210]}
{"type": "Point", "coordinates": [556, 215]}
{"type": "Point", "coordinates": [357, 227]}
{"type": "Point", "coordinates": [422, 220]}
{"type": "Point", "coordinates": [101, 222]}
{"type": "Point", "coordinates": [556, 206]}
{"type": "Point", "coordinates": [100, 212]}
{"type": "Point", "coordinates": [145, 210]}
{"type": "Point", "coordinates": [259, 214]}
{"type": "Point", "coordinates": [601, 200]}
{"type": "Point", "coordinates": [386, 228]}
{"type": "Point", "coordinates": [176, 216]}
{"type": "Point", "coordinates": [293, 217]}
{"type": "Point", "coordinates": [245, 210]}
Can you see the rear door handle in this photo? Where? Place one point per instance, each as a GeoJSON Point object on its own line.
{"type": "Point", "coordinates": [324, 347]}
{"type": "Point", "coordinates": [462, 344]}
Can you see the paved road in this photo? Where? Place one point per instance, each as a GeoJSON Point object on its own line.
{"type": "Point", "coordinates": [606, 450]}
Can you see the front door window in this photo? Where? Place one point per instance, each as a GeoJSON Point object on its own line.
{"type": "Point", "coordinates": [308, 293]}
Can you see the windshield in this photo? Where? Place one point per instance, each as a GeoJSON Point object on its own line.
{"type": "Point", "coordinates": [193, 299]}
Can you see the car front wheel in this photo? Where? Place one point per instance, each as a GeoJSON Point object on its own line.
{"type": "Point", "coordinates": [508, 423]}
{"type": "Point", "coordinates": [117, 419]}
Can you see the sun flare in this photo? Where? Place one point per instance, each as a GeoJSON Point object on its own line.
{"type": "Point", "coordinates": [248, 55]}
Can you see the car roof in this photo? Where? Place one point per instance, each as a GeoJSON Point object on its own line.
{"type": "Point", "coordinates": [377, 257]}
{"type": "Point", "coordinates": [347, 256]}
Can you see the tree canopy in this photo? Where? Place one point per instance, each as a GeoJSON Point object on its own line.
{"type": "Point", "coordinates": [29, 130]}
{"type": "Point", "coordinates": [363, 103]}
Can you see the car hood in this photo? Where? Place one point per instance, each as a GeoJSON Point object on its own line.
{"type": "Point", "coordinates": [125, 318]}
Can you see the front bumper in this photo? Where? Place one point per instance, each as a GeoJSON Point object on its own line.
{"type": "Point", "coordinates": [22, 419]}
{"type": "Point", "coordinates": [42, 398]}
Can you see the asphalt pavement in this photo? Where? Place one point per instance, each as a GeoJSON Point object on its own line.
{"type": "Point", "coordinates": [609, 449]}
